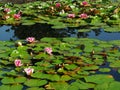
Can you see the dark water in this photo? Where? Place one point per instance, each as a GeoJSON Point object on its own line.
{"type": "Point", "coordinates": [39, 31]}
{"type": "Point", "coordinates": [113, 71]}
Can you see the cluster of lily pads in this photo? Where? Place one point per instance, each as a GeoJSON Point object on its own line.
{"type": "Point", "coordinates": [55, 63]}
{"type": "Point", "coordinates": [63, 13]}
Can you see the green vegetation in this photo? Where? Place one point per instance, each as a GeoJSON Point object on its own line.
{"type": "Point", "coordinates": [64, 13]}
{"type": "Point", "coordinates": [61, 63]}
{"type": "Point", "coordinates": [72, 64]}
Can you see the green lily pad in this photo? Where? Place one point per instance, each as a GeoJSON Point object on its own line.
{"type": "Point", "coordinates": [5, 87]}
{"type": "Point", "coordinates": [92, 67]}
{"type": "Point", "coordinates": [115, 64]}
{"type": "Point", "coordinates": [83, 30]}
{"type": "Point", "coordinates": [114, 85]}
{"type": "Point", "coordinates": [35, 83]}
{"type": "Point", "coordinates": [103, 86]}
{"type": "Point", "coordinates": [35, 88]}
{"type": "Point", "coordinates": [99, 79]}
{"type": "Point", "coordinates": [65, 78]}
{"type": "Point", "coordinates": [20, 79]}
{"type": "Point", "coordinates": [104, 69]}
{"type": "Point", "coordinates": [58, 85]}
{"type": "Point", "coordinates": [16, 87]}
{"type": "Point", "coordinates": [8, 80]}
{"type": "Point", "coordinates": [70, 67]}
{"type": "Point", "coordinates": [82, 85]}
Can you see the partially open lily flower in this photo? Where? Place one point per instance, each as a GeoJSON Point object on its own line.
{"type": "Point", "coordinates": [7, 10]}
{"type": "Point", "coordinates": [85, 3]}
{"type": "Point", "coordinates": [17, 16]}
{"type": "Point", "coordinates": [83, 16]}
{"type": "Point", "coordinates": [30, 39]}
{"type": "Point", "coordinates": [48, 50]}
{"type": "Point", "coordinates": [58, 5]}
{"type": "Point", "coordinates": [29, 71]}
{"type": "Point", "coordinates": [71, 15]}
{"type": "Point", "coordinates": [18, 63]}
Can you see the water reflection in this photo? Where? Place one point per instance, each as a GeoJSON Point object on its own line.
{"type": "Point", "coordinates": [102, 35]}
{"type": "Point", "coordinates": [6, 33]}
{"type": "Point", "coordinates": [42, 30]}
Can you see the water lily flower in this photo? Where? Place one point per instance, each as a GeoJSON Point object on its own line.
{"type": "Point", "coordinates": [71, 15]}
{"type": "Point", "coordinates": [18, 63]}
{"type": "Point", "coordinates": [48, 50]}
{"type": "Point", "coordinates": [7, 10]}
{"type": "Point", "coordinates": [29, 71]}
{"type": "Point", "coordinates": [83, 16]}
{"type": "Point", "coordinates": [84, 3]}
{"type": "Point", "coordinates": [17, 16]}
{"type": "Point", "coordinates": [58, 5]}
{"type": "Point", "coordinates": [30, 39]}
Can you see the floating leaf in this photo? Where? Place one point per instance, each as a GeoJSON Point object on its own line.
{"type": "Point", "coordinates": [104, 69]}
{"type": "Point", "coordinates": [114, 85]}
{"type": "Point", "coordinates": [5, 87]}
{"type": "Point", "coordinates": [99, 79]}
{"type": "Point", "coordinates": [35, 88]}
{"type": "Point", "coordinates": [16, 87]}
{"type": "Point", "coordinates": [103, 86]}
{"type": "Point", "coordinates": [65, 78]}
{"type": "Point", "coordinates": [35, 83]}
{"type": "Point", "coordinates": [20, 79]}
{"type": "Point", "coordinates": [58, 85]}
{"type": "Point", "coordinates": [91, 67]}
{"type": "Point", "coordinates": [115, 64]}
{"type": "Point", "coordinates": [82, 85]}
{"type": "Point", "coordinates": [8, 80]}
{"type": "Point", "coordinates": [70, 67]}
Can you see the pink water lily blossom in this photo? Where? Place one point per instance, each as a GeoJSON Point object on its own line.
{"type": "Point", "coordinates": [58, 5]}
{"type": "Point", "coordinates": [48, 50]}
{"type": "Point", "coordinates": [7, 10]}
{"type": "Point", "coordinates": [29, 71]}
{"type": "Point", "coordinates": [71, 15]}
{"type": "Point", "coordinates": [17, 16]}
{"type": "Point", "coordinates": [83, 16]}
{"type": "Point", "coordinates": [18, 63]}
{"type": "Point", "coordinates": [84, 3]}
{"type": "Point", "coordinates": [30, 39]}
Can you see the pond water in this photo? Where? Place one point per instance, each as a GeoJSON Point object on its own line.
{"type": "Point", "coordinates": [113, 71]}
{"type": "Point", "coordinates": [39, 31]}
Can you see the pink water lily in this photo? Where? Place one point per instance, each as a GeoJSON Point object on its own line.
{"type": "Point", "coordinates": [71, 15]}
{"type": "Point", "coordinates": [29, 71]}
{"type": "Point", "coordinates": [84, 3]}
{"type": "Point", "coordinates": [83, 16]}
{"type": "Point", "coordinates": [7, 10]}
{"type": "Point", "coordinates": [17, 16]}
{"type": "Point", "coordinates": [18, 63]}
{"type": "Point", "coordinates": [58, 5]}
{"type": "Point", "coordinates": [48, 50]}
{"type": "Point", "coordinates": [30, 39]}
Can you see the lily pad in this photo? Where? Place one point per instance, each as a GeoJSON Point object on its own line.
{"type": "Point", "coordinates": [114, 85]}
{"type": "Point", "coordinates": [35, 83]}
{"type": "Point", "coordinates": [99, 79]}
{"type": "Point", "coordinates": [104, 69]}
{"type": "Point", "coordinates": [115, 64]}
{"type": "Point", "coordinates": [8, 80]}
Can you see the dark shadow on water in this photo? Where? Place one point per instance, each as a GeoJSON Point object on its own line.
{"type": "Point", "coordinates": [43, 30]}
{"type": "Point", "coordinates": [113, 72]}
